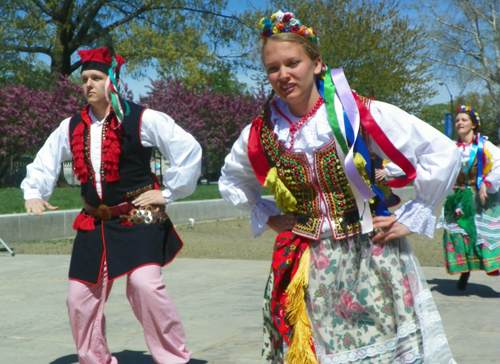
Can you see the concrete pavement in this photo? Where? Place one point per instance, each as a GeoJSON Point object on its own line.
{"type": "Point", "coordinates": [219, 302]}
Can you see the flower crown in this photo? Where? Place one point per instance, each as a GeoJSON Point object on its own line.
{"type": "Point", "coordinates": [281, 22]}
{"type": "Point", "coordinates": [470, 111]}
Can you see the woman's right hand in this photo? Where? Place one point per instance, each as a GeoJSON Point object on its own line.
{"type": "Point", "coordinates": [282, 223]}
{"type": "Point", "coordinates": [483, 193]}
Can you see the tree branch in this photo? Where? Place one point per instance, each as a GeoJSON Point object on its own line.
{"type": "Point", "coordinates": [44, 9]}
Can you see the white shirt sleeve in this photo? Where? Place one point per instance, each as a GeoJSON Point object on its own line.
{"type": "Point", "coordinates": [179, 147]}
{"type": "Point", "coordinates": [493, 176]}
{"type": "Point", "coordinates": [239, 186]}
{"type": "Point", "coordinates": [42, 174]}
{"type": "Point", "coordinates": [434, 156]}
{"type": "Point", "coordinates": [393, 170]}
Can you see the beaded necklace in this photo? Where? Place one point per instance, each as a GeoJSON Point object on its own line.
{"type": "Point", "coordinates": [295, 127]}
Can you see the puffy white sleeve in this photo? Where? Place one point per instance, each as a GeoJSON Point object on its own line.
{"type": "Point", "coordinates": [239, 186]}
{"type": "Point", "coordinates": [493, 176]}
{"type": "Point", "coordinates": [179, 147]}
{"type": "Point", "coordinates": [393, 170]}
{"type": "Point", "coordinates": [42, 174]}
{"type": "Point", "coordinates": [435, 157]}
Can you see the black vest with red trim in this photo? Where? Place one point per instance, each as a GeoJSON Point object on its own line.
{"type": "Point", "coordinates": [124, 248]}
{"type": "Point", "coordinates": [134, 161]}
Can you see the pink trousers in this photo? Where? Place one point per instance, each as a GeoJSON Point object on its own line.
{"type": "Point", "coordinates": [152, 306]}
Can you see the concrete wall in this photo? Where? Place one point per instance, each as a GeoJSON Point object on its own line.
{"type": "Point", "coordinates": [58, 224]}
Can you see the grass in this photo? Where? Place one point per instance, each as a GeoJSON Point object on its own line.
{"type": "Point", "coordinates": [12, 201]}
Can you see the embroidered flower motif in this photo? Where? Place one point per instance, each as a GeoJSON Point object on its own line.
{"type": "Point", "coordinates": [346, 306]}
{"type": "Point", "coordinates": [322, 262]}
{"type": "Point", "coordinates": [322, 291]}
{"type": "Point", "coordinates": [460, 259]}
{"type": "Point", "coordinates": [408, 297]}
{"type": "Point", "coordinates": [377, 249]}
{"type": "Point", "coordinates": [348, 341]}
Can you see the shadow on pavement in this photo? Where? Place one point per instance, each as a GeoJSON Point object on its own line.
{"type": "Point", "coordinates": [448, 287]}
{"type": "Point", "coordinates": [126, 356]}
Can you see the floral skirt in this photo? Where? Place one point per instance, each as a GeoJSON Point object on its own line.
{"type": "Point", "coordinates": [367, 303]}
{"type": "Point", "coordinates": [460, 253]}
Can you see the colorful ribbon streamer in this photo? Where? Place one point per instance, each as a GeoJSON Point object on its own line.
{"type": "Point", "coordinates": [115, 93]}
{"type": "Point", "coordinates": [335, 81]}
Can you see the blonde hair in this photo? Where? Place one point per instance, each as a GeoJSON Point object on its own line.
{"type": "Point", "coordinates": [312, 49]}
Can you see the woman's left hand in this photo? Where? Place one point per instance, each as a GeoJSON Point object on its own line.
{"type": "Point", "coordinates": [389, 227]}
{"type": "Point", "coordinates": [483, 193]}
{"type": "Point", "coordinates": [151, 197]}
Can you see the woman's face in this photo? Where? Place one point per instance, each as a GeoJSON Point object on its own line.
{"type": "Point", "coordinates": [464, 125]}
{"type": "Point", "coordinates": [290, 71]}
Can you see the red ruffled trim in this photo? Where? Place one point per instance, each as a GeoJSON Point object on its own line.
{"type": "Point", "coordinates": [84, 222]}
{"type": "Point", "coordinates": [77, 147]}
{"type": "Point", "coordinates": [111, 150]}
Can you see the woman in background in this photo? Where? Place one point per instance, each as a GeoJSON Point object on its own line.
{"type": "Point", "coordinates": [471, 237]}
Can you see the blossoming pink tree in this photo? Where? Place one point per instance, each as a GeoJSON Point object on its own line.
{"type": "Point", "coordinates": [214, 119]}
{"type": "Point", "coordinates": [27, 117]}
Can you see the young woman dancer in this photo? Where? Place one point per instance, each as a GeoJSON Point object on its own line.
{"type": "Point", "coordinates": [471, 218]}
{"type": "Point", "coordinates": [345, 287]}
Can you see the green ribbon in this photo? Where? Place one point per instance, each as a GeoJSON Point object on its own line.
{"type": "Point", "coordinates": [330, 110]}
{"type": "Point", "coordinates": [115, 97]}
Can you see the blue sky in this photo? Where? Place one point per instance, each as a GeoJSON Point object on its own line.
{"type": "Point", "coordinates": [139, 87]}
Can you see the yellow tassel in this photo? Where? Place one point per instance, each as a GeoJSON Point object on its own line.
{"type": "Point", "coordinates": [487, 169]}
{"type": "Point", "coordinates": [283, 196]}
{"type": "Point", "coordinates": [360, 164]}
{"type": "Point", "coordinates": [300, 351]}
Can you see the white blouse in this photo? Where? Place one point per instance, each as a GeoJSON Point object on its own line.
{"type": "Point", "coordinates": [157, 130]}
{"type": "Point", "coordinates": [434, 156]}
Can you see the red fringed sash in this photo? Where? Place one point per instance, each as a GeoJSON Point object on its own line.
{"type": "Point", "coordinates": [288, 250]}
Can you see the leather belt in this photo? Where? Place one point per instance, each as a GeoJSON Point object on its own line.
{"type": "Point", "coordinates": [107, 212]}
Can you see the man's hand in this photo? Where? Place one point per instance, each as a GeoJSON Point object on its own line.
{"type": "Point", "coordinates": [389, 227]}
{"type": "Point", "coordinates": [282, 223]}
{"type": "Point", "coordinates": [151, 197]}
{"type": "Point", "coordinates": [483, 193]}
{"type": "Point", "coordinates": [37, 206]}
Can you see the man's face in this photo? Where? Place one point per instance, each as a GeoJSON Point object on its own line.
{"type": "Point", "coordinates": [93, 84]}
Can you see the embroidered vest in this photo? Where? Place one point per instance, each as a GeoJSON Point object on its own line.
{"type": "Point", "coordinates": [331, 186]}
{"type": "Point", "coordinates": [133, 164]}
{"type": "Point", "coordinates": [468, 178]}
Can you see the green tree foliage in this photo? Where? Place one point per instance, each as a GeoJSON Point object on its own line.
{"type": "Point", "coordinates": [179, 38]}
{"type": "Point", "coordinates": [374, 43]}
{"type": "Point", "coordinates": [435, 115]}
{"type": "Point", "coordinates": [18, 70]}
